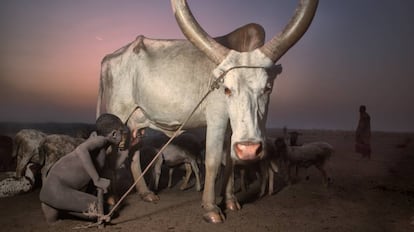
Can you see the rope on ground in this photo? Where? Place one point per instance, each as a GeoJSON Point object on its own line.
{"type": "Point", "coordinates": [157, 155]}
{"type": "Point", "coordinates": [213, 86]}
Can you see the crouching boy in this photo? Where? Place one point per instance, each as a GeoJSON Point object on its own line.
{"type": "Point", "coordinates": [64, 189]}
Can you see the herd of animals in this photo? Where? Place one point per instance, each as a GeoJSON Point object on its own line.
{"type": "Point", "coordinates": [34, 153]}
{"type": "Point", "coordinates": [224, 82]}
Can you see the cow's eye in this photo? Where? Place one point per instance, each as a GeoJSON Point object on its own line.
{"type": "Point", "coordinates": [227, 91]}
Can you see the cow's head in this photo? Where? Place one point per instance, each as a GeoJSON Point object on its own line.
{"type": "Point", "coordinates": [246, 77]}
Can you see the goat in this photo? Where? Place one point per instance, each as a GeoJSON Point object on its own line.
{"type": "Point", "coordinates": [309, 154]}
{"type": "Point", "coordinates": [184, 150]}
{"type": "Point", "coordinates": [264, 169]}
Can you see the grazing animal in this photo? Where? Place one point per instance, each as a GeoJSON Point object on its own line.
{"type": "Point", "coordinates": [26, 144]}
{"type": "Point", "coordinates": [183, 150]}
{"type": "Point", "coordinates": [309, 154]}
{"type": "Point", "coordinates": [7, 163]}
{"type": "Point", "coordinates": [271, 165]}
{"type": "Point", "coordinates": [53, 147]}
{"type": "Point", "coordinates": [157, 83]}
{"type": "Point", "coordinates": [12, 186]}
{"type": "Point", "coordinates": [265, 169]}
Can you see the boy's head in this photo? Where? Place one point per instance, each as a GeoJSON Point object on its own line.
{"type": "Point", "coordinates": [109, 123]}
{"type": "Point", "coordinates": [106, 123]}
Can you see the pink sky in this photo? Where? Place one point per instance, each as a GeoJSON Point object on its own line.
{"type": "Point", "coordinates": [354, 53]}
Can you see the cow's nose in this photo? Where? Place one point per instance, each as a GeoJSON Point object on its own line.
{"type": "Point", "coordinates": [248, 150]}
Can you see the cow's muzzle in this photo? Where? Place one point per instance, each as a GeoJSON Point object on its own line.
{"type": "Point", "coordinates": [248, 150]}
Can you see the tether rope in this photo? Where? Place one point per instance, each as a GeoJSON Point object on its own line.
{"type": "Point", "coordinates": [215, 85]}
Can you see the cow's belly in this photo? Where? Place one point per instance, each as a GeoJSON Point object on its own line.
{"type": "Point", "coordinates": [171, 120]}
{"type": "Point", "coordinates": [167, 104]}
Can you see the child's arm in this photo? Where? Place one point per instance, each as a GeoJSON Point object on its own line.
{"type": "Point", "coordinates": [85, 157]}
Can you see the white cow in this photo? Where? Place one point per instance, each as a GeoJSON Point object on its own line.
{"type": "Point", "coordinates": [157, 83]}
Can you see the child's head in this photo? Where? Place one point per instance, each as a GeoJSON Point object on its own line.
{"type": "Point", "coordinates": [106, 123]}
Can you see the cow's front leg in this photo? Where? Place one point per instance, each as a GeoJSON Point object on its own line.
{"type": "Point", "coordinates": [141, 186]}
{"type": "Point", "coordinates": [216, 131]}
{"type": "Point", "coordinates": [213, 214]}
{"type": "Point", "coordinates": [229, 197]}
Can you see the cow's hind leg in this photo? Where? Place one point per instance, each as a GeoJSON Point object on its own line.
{"type": "Point", "coordinates": [136, 123]}
{"type": "Point", "coordinates": [141, 186]}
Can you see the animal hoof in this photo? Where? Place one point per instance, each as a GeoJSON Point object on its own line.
{"type": "Point", "coordinates": [150, 197]}
{"type": "Point", "coordinates": [232, 205]}
{"type": "Point", "coordinates": [213, 217]}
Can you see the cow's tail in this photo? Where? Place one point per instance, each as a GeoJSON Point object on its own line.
{"type": "Point", "coordinates": [100, 97]}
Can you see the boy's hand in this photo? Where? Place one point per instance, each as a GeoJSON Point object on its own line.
{"type": "Point", "coordinates": [102, 183]}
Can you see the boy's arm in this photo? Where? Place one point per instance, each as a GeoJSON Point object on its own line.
{"type": "Point", "coordinates": [83, 152]}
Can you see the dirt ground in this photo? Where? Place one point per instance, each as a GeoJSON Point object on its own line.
{"type": "Point", "coordinates": [367, 195]}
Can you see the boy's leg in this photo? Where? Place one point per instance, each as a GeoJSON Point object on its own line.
{"type": "Point", "coordinates": [51, 214]}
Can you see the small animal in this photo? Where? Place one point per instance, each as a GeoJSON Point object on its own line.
{"type": "Point", "coordinates": [309, 154]}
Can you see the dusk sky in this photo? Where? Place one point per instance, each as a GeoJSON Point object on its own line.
{"type": "Point", "coordinates": [355, 52]}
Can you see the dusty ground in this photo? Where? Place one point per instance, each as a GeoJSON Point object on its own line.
{"type": "Point", "coordinates": [367, 195]}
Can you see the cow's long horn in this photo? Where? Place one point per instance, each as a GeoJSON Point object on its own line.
{"type": "Point", "coordinates": [192, 30]}
{"type": "Point", "coordinates": [279, 44]}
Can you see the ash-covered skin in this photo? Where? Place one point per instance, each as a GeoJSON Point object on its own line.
{"type": "Point", "coordinates": [63, 189]}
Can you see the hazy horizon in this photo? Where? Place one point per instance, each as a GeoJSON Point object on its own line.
{"type": "Point", "coordinates": [36, 125]}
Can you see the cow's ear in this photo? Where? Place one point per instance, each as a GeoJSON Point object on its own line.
{"type": "Point", "coordinates": [274, 70]}
{"type": "Point", "coordinates": [93, 134]}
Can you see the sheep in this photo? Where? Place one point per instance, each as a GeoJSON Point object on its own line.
{"type": "Point", "coordinates": [12, 185]}
{"type": "Point", "coordinates": [264, 170]}
{"type": "Point", "coordinates": [184, 149]}
{"type": "Point", "coordinates": [25, 148]}
{"type": "Point", "coordinates": [271, 165]}
{"type": "Point", "coordinates": [309, 154]}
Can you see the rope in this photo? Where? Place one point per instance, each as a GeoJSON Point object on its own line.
{"type": "Point", "coordinates": [214, 85]}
